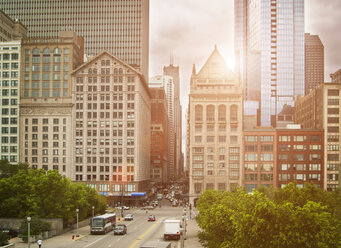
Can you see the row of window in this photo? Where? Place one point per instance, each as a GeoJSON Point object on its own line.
{"type": "Point", "coordinates": [115, 160]}
{"type": "Point", "coordinates": [221, 128]}
{"type": "Point", "coordinates": [221, 139]}
{"type": "Point", "coordinates": [281, 157]}
{"type": "Point", "coordinates": [9, 56]}
{"type": "Point", "coordinates": [211, 150]}
{"type": "Point", "coordinates": [210, 113]}
{"type": "Point", "coordinates": [284, 138]}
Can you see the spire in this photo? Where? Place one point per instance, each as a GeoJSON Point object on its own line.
{"type": "Point", "coordinates": [194, 71]}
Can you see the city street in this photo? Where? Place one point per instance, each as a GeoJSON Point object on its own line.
{"type": "Point", "coordinates": [139, 231]}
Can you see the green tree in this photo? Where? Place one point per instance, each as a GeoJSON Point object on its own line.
{"type": "Point", "coordinates": [290, 219]}
{"type": "Point", "coordinates": [46, 195]}
{"type": "Point", "coordinates": [8, 170]}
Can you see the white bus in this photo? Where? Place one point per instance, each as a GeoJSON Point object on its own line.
{"type": "Point", "coordinates": [103, 223]}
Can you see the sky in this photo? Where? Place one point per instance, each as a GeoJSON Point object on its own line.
{"type": "Point", "coordinates": [189, 29]}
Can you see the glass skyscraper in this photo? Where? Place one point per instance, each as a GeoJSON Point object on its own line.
{"type": "Point", "coordinates": [269, 42]}
{"type": "Point", "coordinates": [121, 27]}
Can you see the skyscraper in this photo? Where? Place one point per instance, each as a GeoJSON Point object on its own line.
{"type": "Point", "coordinates": [168, 84]}
{"type": "Point", "coordinates": [120, 27]}
{"type": "Point", "coordinates": [173, 71]}
{"type": "Point", "coordinates": [269, 37]}
{"type": "Point", "coordinates": [314, 62]}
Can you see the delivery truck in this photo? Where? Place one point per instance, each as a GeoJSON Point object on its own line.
{"type": "Point", "coordinates": [171, 229]}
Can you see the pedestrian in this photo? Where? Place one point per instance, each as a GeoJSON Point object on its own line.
{"type": "Point", "coordinates": [39, 243]}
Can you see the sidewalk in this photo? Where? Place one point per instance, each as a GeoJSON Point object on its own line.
{"type": "Point", "coordinates": [56, 241]}
{"type": "Point", "coordinates": [192, 240]}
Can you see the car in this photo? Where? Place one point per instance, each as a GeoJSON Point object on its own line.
{"type": "Point", "coordinates": [128, 217]}
{"type": "Point", "coordinates": [151, 218]}
{"type": "Point", "coordinates": [148, 208]}
{"type": "Point", "coordinates": [126, 207]}
{"type": "Point", "coordinates": [120, 229]}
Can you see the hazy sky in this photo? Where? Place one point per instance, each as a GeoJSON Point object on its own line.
{"type": "Point", "coordinates": [191, 28]}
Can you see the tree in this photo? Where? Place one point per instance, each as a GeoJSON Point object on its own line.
{"type": "Point", "coordinates": [46, 195]}
{"type": "Point", "coordinates": [292, 218]}
{"type": "Point", "coordinates": [8, 170]}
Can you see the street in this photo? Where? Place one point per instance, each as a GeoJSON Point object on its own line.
{"type": "Point", "coordinates": [139, 231]}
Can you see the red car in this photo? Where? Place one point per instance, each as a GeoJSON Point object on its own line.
{"type": "Point", "coordinates": [151, 218]}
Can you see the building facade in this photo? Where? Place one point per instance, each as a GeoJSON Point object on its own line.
{"type": "Point", "coordinates": [320, 109]}
{"type": "Point", "coordinates": [159, 136]}
{"type": "Point", "coordinates": [314, 62]}
{"type": "Point", "coordinates": [173, 71]}
{"type": "Point", "coordinates": [111, 123]}
{"type": "Point", "coordinates": [46, 101]}
{"type": "Point", "coordinates": [9, 29]}
{"type": "Point", "coordinates": [10, 55]}
{"type": "Point", "coordinates": [215, 128]}
{"type": "Point", "coordinates": [269, 41]}
{"type": "Point", "coordinates": [259, 162]}
{"type": "Point", "coordinates": [300, 157]}
{"type": "Point", "coordinates": [336, 77]}
{"type": "Point", "coordinates": [167, 83]}
{"type": "Point", "coordinates": [120, 27]}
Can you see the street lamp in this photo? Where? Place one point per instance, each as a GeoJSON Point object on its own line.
{"type": "Point", "coordinates": [28, 230]}
{"type": "Point", "coordinates": [77, 211]}
{"type": "Point", "coordinates": [93, 211]}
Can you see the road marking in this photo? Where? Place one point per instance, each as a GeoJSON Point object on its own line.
{"type": "Point", "coordinates": [95, 241]}
{"type": "Point", "coordinates": [144, 234]}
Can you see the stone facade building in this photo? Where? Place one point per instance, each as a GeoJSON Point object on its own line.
{"type": "Point", "coordinates": [111, 126]}
{"type": "Point", "coordinates": [46, 101]}
{"type": "Point", "coordinates": [215, 128]}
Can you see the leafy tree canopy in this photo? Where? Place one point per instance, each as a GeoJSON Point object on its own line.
{"type": "Point", "coordinates": [46, 195]}
{"type": "Point", "coordinates": [283, 218]}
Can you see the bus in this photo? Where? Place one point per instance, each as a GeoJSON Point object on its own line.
{"type": "Point", "coordinates": [103, 223]}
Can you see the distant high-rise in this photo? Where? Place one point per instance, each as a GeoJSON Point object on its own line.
{"type": "Point", "coordinates": [168, 84]}
{"type": "Point", "coordinates": [173, 71]}
{"type": "Point", "coordinates": [120, 27]}
{"type": "Point", "coordinates": [269, 42]}
{"type": "Point", "coordinates": [314, 62]}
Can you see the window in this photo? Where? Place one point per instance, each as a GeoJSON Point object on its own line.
{"type": "Point", "coordinates": [250, 177]}
{"type": "Point", "coordinates": [315, 167]}
{"type": "Point", "coordinates": [300, 167]}
{"type": "Point", "coordinates": [234, 113]}
{"type": "Point", "coordinates": [250, 157]}
{"type": "Point", "coordinates": [267, 138]}
{"type": "Point", "coordinates": [251, 148]}
{"type": "Point", "coordinates": [284, 138]}
{"type": "Point", "coordinates": [333, 92]}
{"type": "Point", "coordinates": [198, 112]}
{"type": "Point", "coordinates": [210, 113]}
{"type": "Point", "coordinates": [267, 157]}
{"type": "Point", "coordinates": [250, 138]}
{"type": "Point", "coordinates": [266, 148]}
{"type": "Point", "coordinates": [222, 113]}
{"type": "Point", "coordinates": [283, 157]}
{"type": "Point", "coordinates": [250, 167]}
{"type": "Point", "coordinates": [299, 157]}
{"type": "Point", "coordinates": [300, 138]}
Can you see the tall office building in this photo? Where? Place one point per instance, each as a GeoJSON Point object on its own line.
{"type": "Point", "coordinates": [10, 55]}
{"type": "Point", "coordinates": [215, 128]}
{"type": "Point", "coordinates": [120, 27]}
{"type": "Point", "coordinates": [111, 126]}
{"type": "Point", "coordinates": [167, 83]}
{"type": "Point", "coordinates": [159, 136]}
{"type": "Point", "coordinates": [269, 42]}
{"type": "Point", "coordinates": [173, 71]}
{"type": "Point", "coordinates": [46, 101]}
{"type": "Point", "coordinates": [314, 62]}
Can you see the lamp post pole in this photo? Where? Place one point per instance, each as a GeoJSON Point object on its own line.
{"type": "Point", "coordinates": [93, 211]}
{"type": "Point", "coordinates": [77, 211]}
{"type": "Point", "coordinates": [28, 230]}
